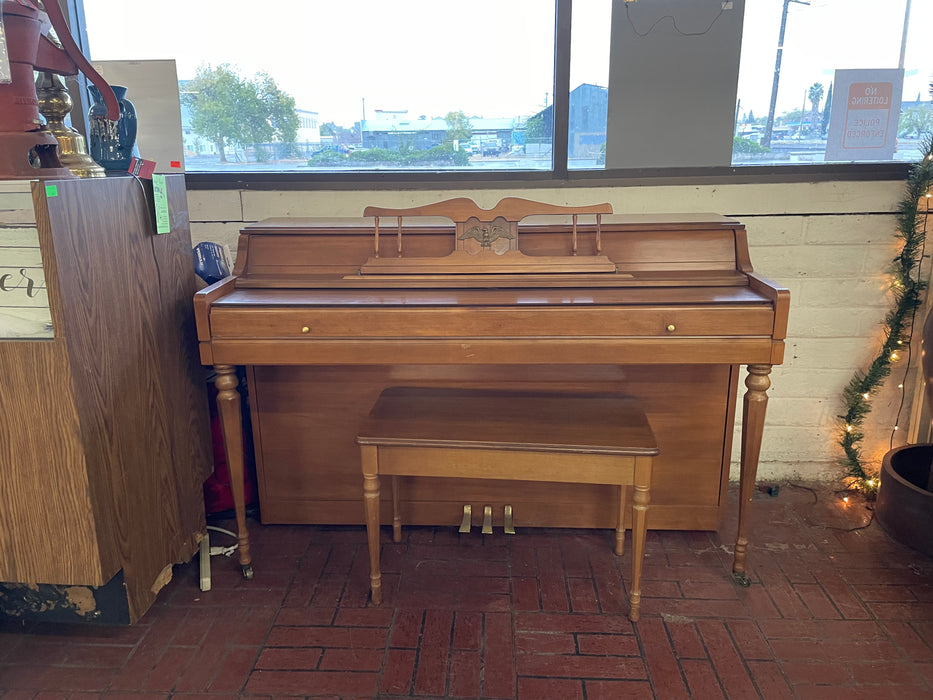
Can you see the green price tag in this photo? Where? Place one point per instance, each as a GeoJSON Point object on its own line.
{"type": "Point", "coordinates": [160, 198]}
{"type": "Point", "coordinates": [51, 190]}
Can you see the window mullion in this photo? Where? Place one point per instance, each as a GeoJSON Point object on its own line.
{"type": "Point", "coordinates": [561, 87]}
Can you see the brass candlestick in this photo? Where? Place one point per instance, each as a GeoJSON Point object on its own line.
{"type": "Point", "coordinates": [55, 104]}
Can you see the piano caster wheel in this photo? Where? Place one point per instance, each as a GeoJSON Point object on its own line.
{"type": "Point", "coordinates": [247, 570]}
{"type": "Point", "coordinates": [741, 578]}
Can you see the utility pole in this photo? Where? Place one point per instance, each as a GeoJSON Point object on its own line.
{"type": "Point", "coordinates": [900, 63]}
{"type": "Point", "coordinates": [803, 110]}
{"type": "Point", "coordinates": [769, 125]}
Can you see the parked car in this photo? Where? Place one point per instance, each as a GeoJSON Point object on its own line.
{"type": "Point", "coordinates": [491, 148]}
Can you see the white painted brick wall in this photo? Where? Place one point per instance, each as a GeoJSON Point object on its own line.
{"type": "Point", "coordinates": [830, 243]}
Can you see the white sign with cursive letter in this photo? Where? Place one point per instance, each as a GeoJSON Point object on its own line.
{"type": "Point", "coordinates": [24, 301]}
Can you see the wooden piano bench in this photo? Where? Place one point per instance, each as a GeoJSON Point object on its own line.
{"type": "Point", "coordinates": [600, 438]}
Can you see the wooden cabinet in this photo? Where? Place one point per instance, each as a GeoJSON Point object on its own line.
{"type": "Point", "coordinates": [104, 428]}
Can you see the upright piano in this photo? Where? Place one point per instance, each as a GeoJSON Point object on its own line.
{"type": "Point", "coordinates": [325, 314]}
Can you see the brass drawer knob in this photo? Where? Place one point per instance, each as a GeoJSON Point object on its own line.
{"type": "Point", "coordinates": [671, 328]}
{"type": "Point", "coordinates": [305, 329]}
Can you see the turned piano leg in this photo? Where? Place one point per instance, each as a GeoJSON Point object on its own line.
{"type": "Point", "coordinates": [370, 459]}
{"type": "Point", "coordinates": [753, 423]}
{"type": "Point", "coordinates": [228, 403]}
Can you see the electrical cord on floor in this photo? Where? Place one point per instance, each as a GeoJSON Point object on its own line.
{"type": "Point", "coordinates": [816, 500]}
{"type": "Point", "coordinates": [226, 551]}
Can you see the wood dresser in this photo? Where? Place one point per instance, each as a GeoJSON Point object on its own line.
{"type": "Point", "coordinates": [104, 432]}
{"type": "Point", "coordinates": [326, 314]}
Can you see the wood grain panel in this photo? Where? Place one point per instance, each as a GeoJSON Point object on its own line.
{"type": "Point", "coordinates": [492, 322]}
{"type": "Point", "coordinates": [183, 376]}
{"type": "Point", "coordinates": [42, 459]}
{"type": "Point", "coordinates": [341, 249]}
{"type": "Point", "coordinates": [671, 293]}
{"type": "Point", "coordinates": [123, 301]}
{"type": "Point", "coordinates": [114, 391]}
{"type": "Point", "coordinates": [305, 421]}
{"type": "Point", "coordinates": [492, 351]}
{"type": "Point", "coordinates": [47, 528]}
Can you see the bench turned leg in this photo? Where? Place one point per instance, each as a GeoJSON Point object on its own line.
{"type": "Point", "coordinates": [641, 498]}
{"type": "Point", "coordinates": [370, 461]}
{"type": "Point", "coordinates": [396, 520]}
{"type": "Point", "coordinates": [620, 527]}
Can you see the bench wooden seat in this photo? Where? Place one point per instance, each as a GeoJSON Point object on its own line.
{"type": "Point", "coordinates": [527, 436]}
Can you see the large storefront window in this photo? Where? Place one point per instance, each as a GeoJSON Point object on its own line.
{"type": "Point", "coordinates": [421, 85]}
{"type": "Point", "coordinates": [370, 84]}
{"type": "Point", "coordinates": [806, 67]}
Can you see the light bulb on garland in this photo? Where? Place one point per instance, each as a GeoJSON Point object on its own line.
{"type": "Point", "coordinates": [898, 322]}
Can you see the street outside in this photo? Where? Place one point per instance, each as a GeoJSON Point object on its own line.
{"type": "Point", "coordinates": [789, 152]}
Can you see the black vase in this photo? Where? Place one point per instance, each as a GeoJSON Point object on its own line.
{"type": "Point", "coordinates": [112, 144]}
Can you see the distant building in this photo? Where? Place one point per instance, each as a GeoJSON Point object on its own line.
{"type": "Point", "coordinates": [394, 129]}
{"type": "Point", "coordinates": [308, 138]}
{"type": "Point", "coordinates": [309, 126]}
{"type": "Point", "coordinates": [504, 132]}
{"type": "Point", "coordinates": [391, 129]}
{"type": "Point", "coordinates": [589, 105]}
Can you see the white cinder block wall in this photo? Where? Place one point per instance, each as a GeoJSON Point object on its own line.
{"type": "Point", "coordinates": [830, 243]}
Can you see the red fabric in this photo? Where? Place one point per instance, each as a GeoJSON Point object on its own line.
{"type": "Point", "coordinates": [218, 495]}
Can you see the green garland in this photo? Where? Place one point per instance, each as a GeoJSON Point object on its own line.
{"type": "Point", "coordinates": [898, 323]}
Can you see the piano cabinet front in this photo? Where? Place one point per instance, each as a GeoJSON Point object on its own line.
{"type": "Point", "coordinates": [305, 420]}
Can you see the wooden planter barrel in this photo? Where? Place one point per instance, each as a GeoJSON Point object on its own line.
{"type": "Point", "coordinates": [905, 504]}
{"type": "Point", "coordinates": [905, 497]}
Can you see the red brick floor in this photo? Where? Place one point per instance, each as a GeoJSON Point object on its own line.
{"type": "Point", "coordinates": [833, 612]}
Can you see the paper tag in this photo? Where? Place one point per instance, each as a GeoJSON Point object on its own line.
{"type": "Point", "coordinates": [160, 199]}
{"type": "Point", "coordinates": [142, 168]}
{"type": "Point", "coordinates": [51, 190]}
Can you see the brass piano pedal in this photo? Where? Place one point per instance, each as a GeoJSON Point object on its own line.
{"type": "Point", "coordinates": [467, 521]}
{"type": "Point", "coordinates": [509, 526]}
{"type": "Point", "coordinates": [487, 520]}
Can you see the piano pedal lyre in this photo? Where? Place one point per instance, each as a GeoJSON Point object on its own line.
{"type": "Point", "coordinates": [507, 522]}
{"type": "Point", "coordinates": [467, 520]}
{"type": "Point", "coordinates": [487, 520]}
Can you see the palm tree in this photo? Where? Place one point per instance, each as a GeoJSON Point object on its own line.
{"type": "Point", "coordinates": [815, 94]}
{"type": "Point", "coordinates": [827, 110]}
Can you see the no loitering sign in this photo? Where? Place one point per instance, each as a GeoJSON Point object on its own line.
{"type": "Point", "coordinates": [864, 125]}
{"type": "Point", "coordinates": [868, 115]}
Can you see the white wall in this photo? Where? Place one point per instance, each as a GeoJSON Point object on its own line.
{"type": "Point", "coordinates": [829, 242]}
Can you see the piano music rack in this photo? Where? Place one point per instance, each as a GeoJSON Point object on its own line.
{"type": "Point", "coordinates": [487, 241]}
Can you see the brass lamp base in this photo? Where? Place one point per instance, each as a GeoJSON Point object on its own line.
{"type": "Point", "coordinates": [55, 104]}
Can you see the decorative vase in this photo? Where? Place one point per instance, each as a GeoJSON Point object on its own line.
{"type": "Point", "coordinates": [112, 144]}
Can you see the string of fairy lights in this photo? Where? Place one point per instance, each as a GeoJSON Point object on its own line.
{"type": "Point", "coordinates": [907, 288]}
